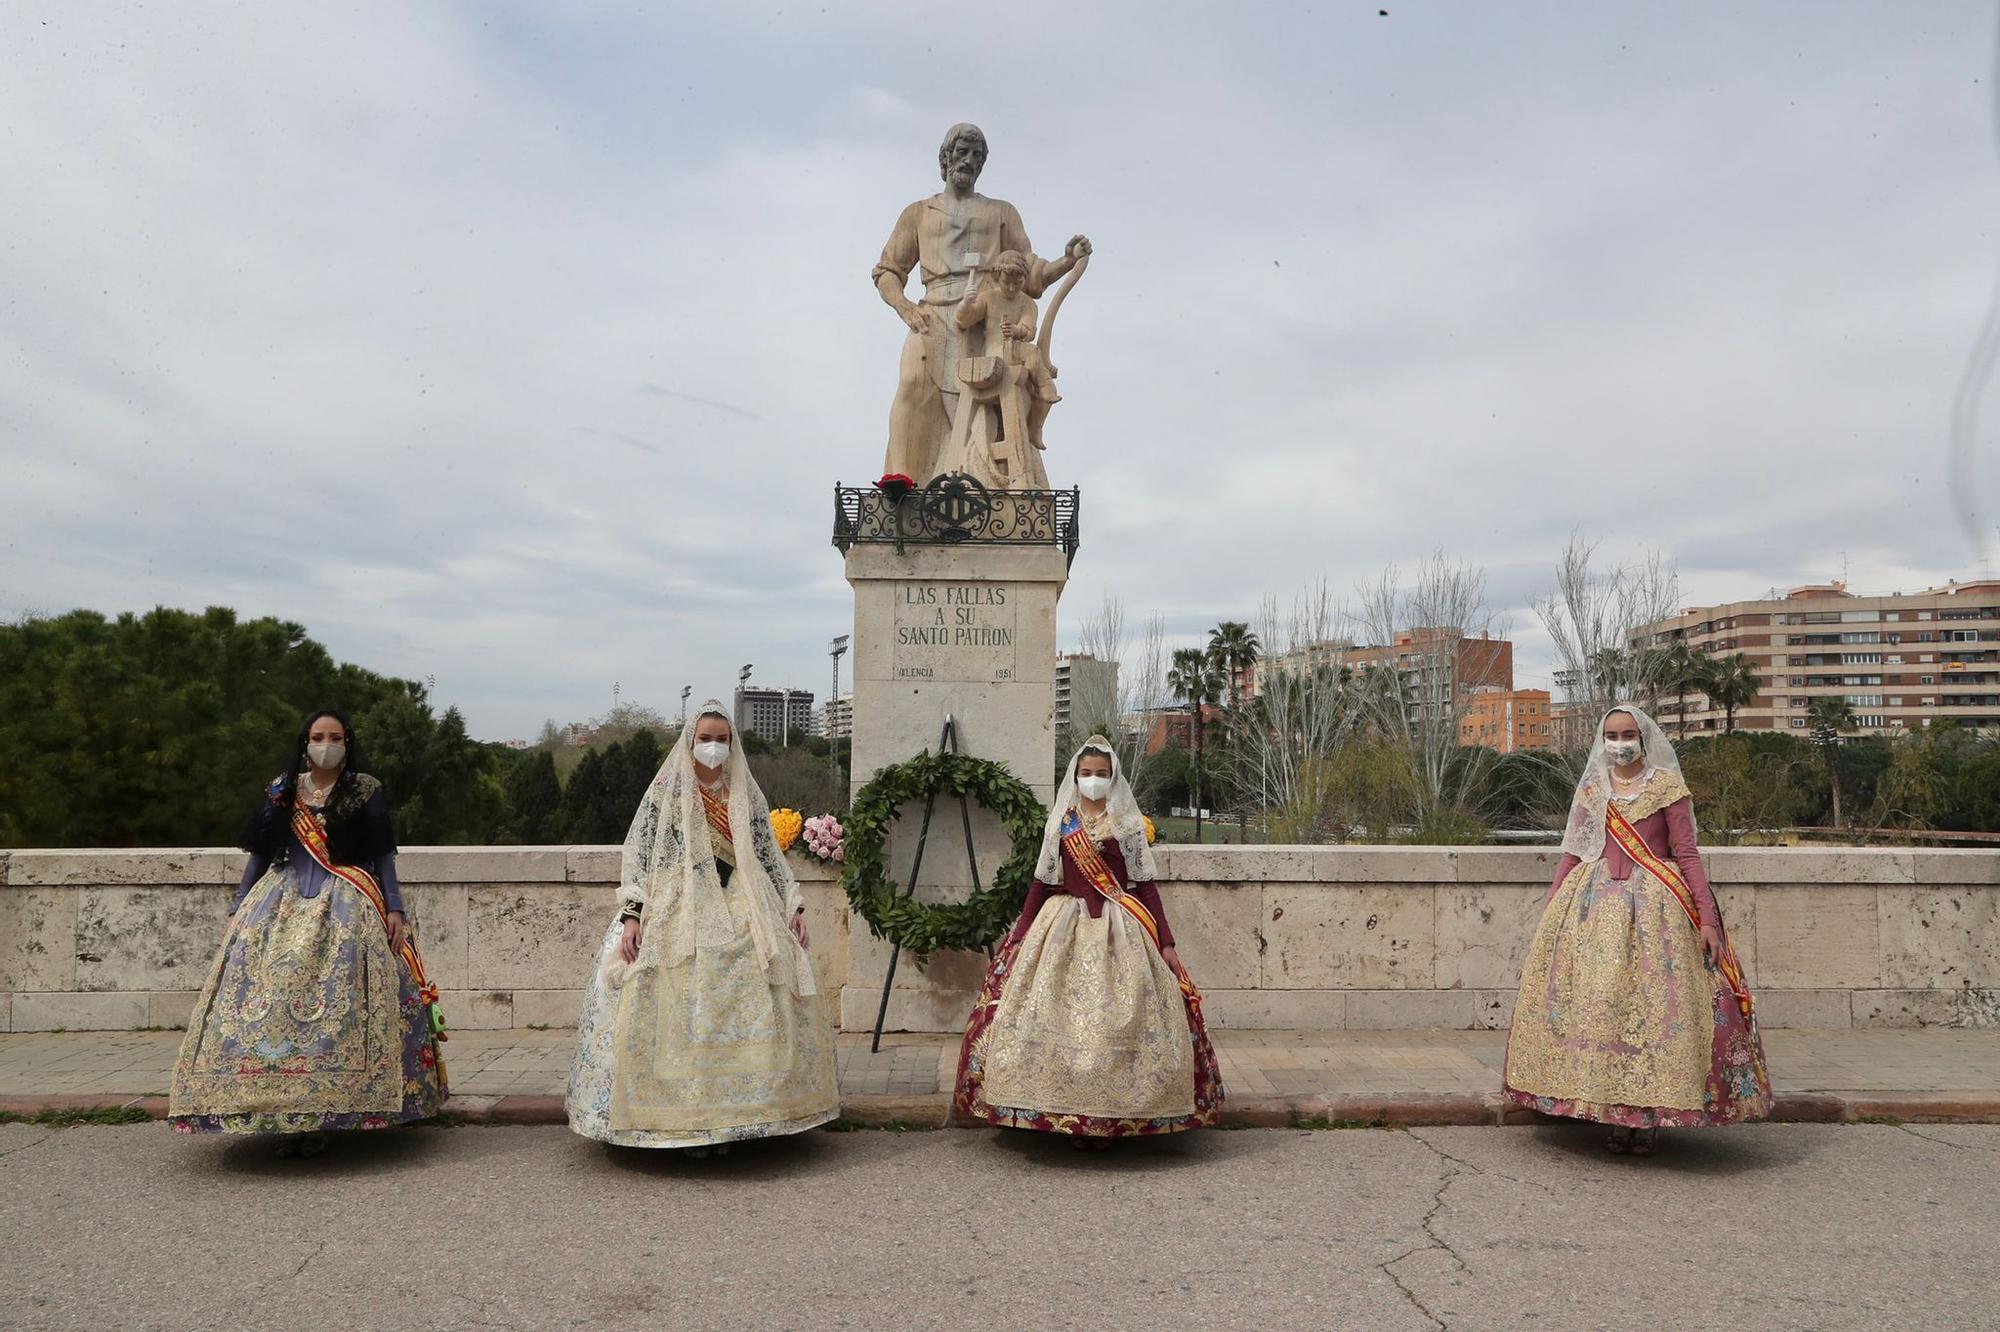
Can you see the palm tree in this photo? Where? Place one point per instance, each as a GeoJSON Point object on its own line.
{"type": "Point", "coordinates": [1233, 649]}
{"type": "Point", "coordinates": [1193, 677]}
{"type": "Point", "coordinates": [1730, 682]}
{"type": "Point", "coordinates": [1828, 718]}
{"type": "Point", "coordinates": [1679, 672]}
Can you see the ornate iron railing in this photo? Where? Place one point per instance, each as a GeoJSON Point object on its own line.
{"type": "Point", "coordinates": [955, 510]}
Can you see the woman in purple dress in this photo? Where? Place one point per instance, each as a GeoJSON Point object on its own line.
{"type": "Point", "coordinates": [317, 1014]}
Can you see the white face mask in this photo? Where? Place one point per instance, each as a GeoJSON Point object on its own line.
{"type": "Point", "coordinates": [712, 753]}
{"type": "Point", "coordinates": [1623, 752]}
{"type": "Point", "coordinates": [328, 755]}
{"type": "Point", "coordinates": [1094, 788]}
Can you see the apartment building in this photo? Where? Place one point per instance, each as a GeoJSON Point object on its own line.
{"type": "Point", "coordinates": [1902, 662]}
{"type": "Point", "coordinates": [775, 714]}
{"type": "Point", "coordinates": [1509, 720]}
{"type": "Point", "coordinates": [1086, 690]}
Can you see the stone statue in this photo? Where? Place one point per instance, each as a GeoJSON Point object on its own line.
{"type": "Point", "coordinates": [951, 356]}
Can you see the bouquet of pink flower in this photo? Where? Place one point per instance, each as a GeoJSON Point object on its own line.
{"type": "Point", "coordinates": [824, 837]}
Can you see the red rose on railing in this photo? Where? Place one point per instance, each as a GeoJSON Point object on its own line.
{"type": "Point", "coordinates": [895, 485]}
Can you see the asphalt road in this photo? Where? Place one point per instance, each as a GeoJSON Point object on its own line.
{"type": "Point", "coordinates": [1768, 1227]}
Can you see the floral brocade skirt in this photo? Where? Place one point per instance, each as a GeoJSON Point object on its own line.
{"type": "Point", "coordinates": [1081, 1028]}
{"type": "Point", "coordinates": [307, 1022]}
{"type": "Point", "coordinates": [706, 1052]}
{"type": "Point", "coordinates": [1621, 1018]}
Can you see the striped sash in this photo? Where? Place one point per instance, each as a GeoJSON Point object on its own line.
{"type": "Point", "coordinates": [312, 836]}
{"type": "Point", "coordinates": [1642, 855]}
{"type": "Point", "coordinates": [1083, 850]}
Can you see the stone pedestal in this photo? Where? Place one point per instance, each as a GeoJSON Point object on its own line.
{"type": "Point", "coordinates": [965, 630]}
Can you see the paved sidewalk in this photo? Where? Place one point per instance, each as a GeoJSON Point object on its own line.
{"type": "Point", "coordinates": [1274, 1077]}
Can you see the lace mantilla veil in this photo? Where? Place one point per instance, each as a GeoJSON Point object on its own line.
{"type": "Point", "coordinates": [1585, 836]}
{"type": "Point", "coordinates": [669, 865]}
{"type": "Point", "coordinates": [1128, 825]}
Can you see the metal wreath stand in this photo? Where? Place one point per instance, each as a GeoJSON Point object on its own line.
{"type": "Point", "coordinates": [947, 744]}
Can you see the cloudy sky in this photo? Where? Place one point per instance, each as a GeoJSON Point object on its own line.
{"type": "Point", "coordinates": [520, 345]}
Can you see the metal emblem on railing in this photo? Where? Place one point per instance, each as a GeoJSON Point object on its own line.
{"type": "Point", "coordinates": [959, 505]}
{"type": "Point", "coordinates": [957, 509]}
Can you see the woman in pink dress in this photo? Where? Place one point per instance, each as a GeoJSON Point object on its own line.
{"type": "Point", "coordinates": [1633, 1011]}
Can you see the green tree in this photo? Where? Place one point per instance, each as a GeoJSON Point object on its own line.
{"type": "Point", "coordinates": [1233, 649]}
{"type": "Point", "coordinates": [1730, 682]}
{"type": "Point", "coordinates": [159, 730]}
{"type": "Point", "coordinates": [534, 800]}
{"type": "Point", "coordinates": [1827, 719]}
{"type": "Point", "coordinates": [1193, 678]}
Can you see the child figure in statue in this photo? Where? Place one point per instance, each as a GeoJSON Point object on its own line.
{"type": "Point", "coordinates": [1007, 315]}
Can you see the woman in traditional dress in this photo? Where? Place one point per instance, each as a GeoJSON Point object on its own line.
{"type": "Point", "coordinates": [1088, 1023]}
{"type": "Point", "coordinates": [1633, 1011]}
{"type": "Point", "coordinates": [704, 1024]}
{"type": "Point", "coordinates": [317, 1014]}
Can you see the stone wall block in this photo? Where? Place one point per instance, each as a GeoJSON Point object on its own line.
{"type": "Point", "coordinates": [170, 1008]}
{"type": "Point", "coordinates": [1273, 1010]}
{"type": "Point", "coordinates": [141, 938]}
{"type": "Point", "coordinates": [1809, 865]}
{"type": "Point", "coordinates": [1482, 933]}
{"type": "Point", "coordinates": [1948, 867]}
{"type": "Point", "coordinates": [1332, 937]}
{"type": "Point", "coordinates": [76, 1011]}
{"type": "Point", "coordinates": [78, 869]}
{"type": "Point", "coordinates": [1493, 1010]}
{"type": "Point", "coordinates": [1926, 1008]}
{"type": "Point", "coordinates": [1738, 905]}
{"type": "Point", "coordinates": [1403, 1010]}
{"type": "Point", "coordinates": [1215, 931]}
{"type": "Point", "coordinates": [545, 1008]}
{"type": "Point", "coordinates": [37, 938]}
{"type": "Point", "coordinates": [593, 864]}
{"type": "Point", "coordinates": [1506, 864]}
{"type": "Point", "coordinates": [1940, 938]}
{"type": "Point", "coordinates": [1382, 864]}
{"type": "Point", "coordinates": [483, 864]}
{"type": "Point", "coordinates": [475, 1010]}
{"type": "Point", "coordinates": [909, 1010]}
{"type": "Point", "coordinates": [540, 937]}
{"type": "Point", "coordinates": [437, 915]}
{"type": "Point", "coordinates": [1817, 936]}
{"type": "Point", "coordinates": [1782, 1009]}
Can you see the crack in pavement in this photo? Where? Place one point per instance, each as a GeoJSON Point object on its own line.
{"type": "Point", "coordinates": [1479, 1170]}
{"type": "Point", "coordinates": [1947, 1142]}
{"type": "Point", "coordinates": [311, 1254]}
{"type": "Point", "coordinates": [15, 1151]}
{"type": "Point", "coordinates": [1454, 1168]}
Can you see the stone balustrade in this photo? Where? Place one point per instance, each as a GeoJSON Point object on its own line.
{"type": "Point", "coordinates": [1277, 936]}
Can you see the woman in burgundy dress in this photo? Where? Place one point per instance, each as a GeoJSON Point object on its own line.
{"type": "Point", "coordinates": [1088, 1023]}
{"type": "Point", "coordinates": [1633, 1011]}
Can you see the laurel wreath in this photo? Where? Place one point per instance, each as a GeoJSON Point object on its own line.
{"type": "Point", "coordinates": [924, 928]}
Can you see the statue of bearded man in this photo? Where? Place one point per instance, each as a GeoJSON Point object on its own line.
{"type": "Point", "coordinates": [946, 238]}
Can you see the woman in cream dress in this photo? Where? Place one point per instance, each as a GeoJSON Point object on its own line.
{"type": "Point", "coordinates": [704, 1024]}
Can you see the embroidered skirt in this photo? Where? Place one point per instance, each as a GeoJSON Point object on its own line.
{"type": "Point", "coordinates": [706, 1052]}
{"type": "Point", "coordinates": [1081, 1028]}
{"type": "Point", "coordinates": [1622, 1020]}
{"type": "Point", "coordinates": [307, 1022]}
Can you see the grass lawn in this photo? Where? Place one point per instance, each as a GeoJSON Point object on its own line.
{"type": "Point", "coordinates": [1213, 832]}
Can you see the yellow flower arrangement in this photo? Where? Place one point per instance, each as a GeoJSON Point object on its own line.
{"type": "Point", "coordinates": [1152, 832]}
{"type": "Point", "coordinates": [786, 824]}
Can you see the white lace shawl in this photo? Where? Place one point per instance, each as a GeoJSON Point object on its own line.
{"type": "Point", "coordinates": [1586, 833]}
{"type": "Point", "coordinates": [669, 866]}
{"type": "Point", "coordinates": [1121, 810]}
